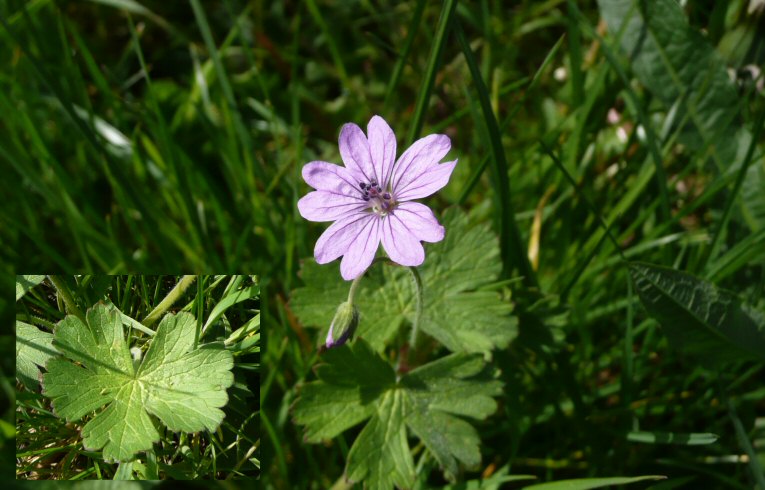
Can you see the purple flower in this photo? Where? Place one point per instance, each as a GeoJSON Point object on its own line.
{"type": "Point", "coordinates": [369, 199]}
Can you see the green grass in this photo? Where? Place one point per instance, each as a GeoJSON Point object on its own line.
{"type": "Point", "coordinates": [147, 137]}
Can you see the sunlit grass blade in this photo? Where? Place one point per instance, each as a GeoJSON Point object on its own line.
{"type": "Point", "coordinates": [692, 439]}
{"type": "Point", "coordinates": [429, 76]}
{"type": "Point", "coordinates": [651, 138]}
{"type": "Point", "coordinates": [512, 249]}
{"type": "Point", "coordinates": [401, 61]}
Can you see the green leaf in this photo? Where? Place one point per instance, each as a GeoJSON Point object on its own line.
{"type": "Point", "coordinates": [587, 483]}
{"type": "Point", "coordinates": [33, 348]}
{"type": "Point", "coordinates": [230, 300]}
{"type": "Point", "coordinates": [351, 379]}
{"type": "Point", "coordinates": [656, 437]}
{"type": "Point", "coordinates": [698, 318]}
{"type": "Point", "coordinates": [356, 384]}
{"type": "Point", "coordinates": [442, 389]}
{"type": "Point", "coordinates": [381, 453]}
{"type": "Point", "coordinates": [25, 283]}
{"type": "Point", "coordinates": [677, 64]}
{"type": "Point", "coordinates": [454, 312]}
{"type": "Point", "coordinates": [183, 388]}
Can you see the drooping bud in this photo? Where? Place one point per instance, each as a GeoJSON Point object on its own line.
{"type": "Point", "coordinates": [343, 325]}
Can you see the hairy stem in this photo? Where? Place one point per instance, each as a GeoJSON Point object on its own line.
{"type": "Point", "coordinates": [354, 287]}
{"type": "Point", "coordinates": [418, 312]}
{"type": "Point", "coordinates": [171, 298]}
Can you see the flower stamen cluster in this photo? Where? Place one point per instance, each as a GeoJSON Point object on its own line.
{"type": "Point", "coordinates": [380, 202]}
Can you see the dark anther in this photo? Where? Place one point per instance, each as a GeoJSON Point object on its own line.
{"type": "Point", "coordinates": [386, 196]}
{"type": "Point", "coordinates": [366, 198]}
{"type": "Point", "coordinates": [362, 185]}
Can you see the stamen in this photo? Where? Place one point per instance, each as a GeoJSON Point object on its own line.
{"type": "Point", "coordinates": [381, 202]}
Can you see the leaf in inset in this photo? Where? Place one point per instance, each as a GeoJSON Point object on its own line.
{"type": "Point", "coordinates": [181, 386]}
{"type": "Point", "coordinates": [454, 313]}
{"type": "Point", "coordinates": [25, 283]}
{"type": "Point", "coordinates": [33, 348]}
{"type": "Point", "coordinates": [698, 318]}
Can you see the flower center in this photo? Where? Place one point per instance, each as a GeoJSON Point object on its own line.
{"type": "Point", "coordinates": [381, 202]}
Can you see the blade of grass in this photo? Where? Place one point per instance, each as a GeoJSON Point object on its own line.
{"type": "Point", "coordinates": [250, 171]}
{"type": "Point", "coordinates": [758, 472]}
{"type": "Point", "coordinates": [512, 249]}
{"type": "Point", "coordinates": [714, 246]}
{"type": "Point", "coordinates": [193, 224]}
{"type": "Point", "coordinates": [651, 139]}
{"type": "Point", "coordinates": [606, 227]}
{"type": "Point", "coordinates": [313, 9]}
{"type": "Point", "coordinates": [473, 180]}
{"type": "Point", "coordinates": [398, 68]}
{"type": "Point", "coordinates": [434, 61]}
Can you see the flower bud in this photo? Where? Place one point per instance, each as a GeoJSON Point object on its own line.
{"type": "Point", "coordinates": [343, 325]}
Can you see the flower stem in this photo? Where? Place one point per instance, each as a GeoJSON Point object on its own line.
{"type": "Point", "coordinates": [418, 312]}
{"type": "Point", "coordinates": [171, 298]}
{"type": "Point", "coordinates": [354, 287]}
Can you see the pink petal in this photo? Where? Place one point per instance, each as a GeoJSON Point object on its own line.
{"type": "Point", "coordinates": [336, 239]}
{"type": "Point", "coordinates": [424, 153]}
{"type": "Point", "coordinates": [324, 176]}
{"type": "Point", "coordinates": [354, 149]}
{"type": "Point", "coordinates": [400, 243]}
{"type": "Point", "coordinates": [382, 146]}
{"type": "Point", "coordinates": [421, 221]}
{"type": "Point", "coordinates": [327, 206]}
{"type": "Point", "coordinates": [362, 250]}
{"type": "Point", "coordinates": [431, 180]}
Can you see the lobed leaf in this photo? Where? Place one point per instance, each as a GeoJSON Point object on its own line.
{"type": "Point", "coordinates": [33, 348]}
{"type": "Point", "coordinates": [25, 283]}
{"type": "Point", "coordinates": [454, 313]}
{"type": "Point", "coordinates": [380, 455]}
{"type": "Point", "coordinates": [356, 384]}
{"type": "Point", "coordinates": [181, 386]}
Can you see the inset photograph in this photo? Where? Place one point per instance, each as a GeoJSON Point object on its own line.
{"type": "Point", "coordinates": [134, 377]}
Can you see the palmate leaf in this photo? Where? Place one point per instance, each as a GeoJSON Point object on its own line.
{"type": "Point", "coordinates": [454, 313]}
{"type": "Point", "coordinates": [33, 348]}
{"type": "Point", "coordinates": [698, 318]}
{"type": "Point", "coordinates": [181, 386]}
{"type": "Point", "coordinates": [356, 384]}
